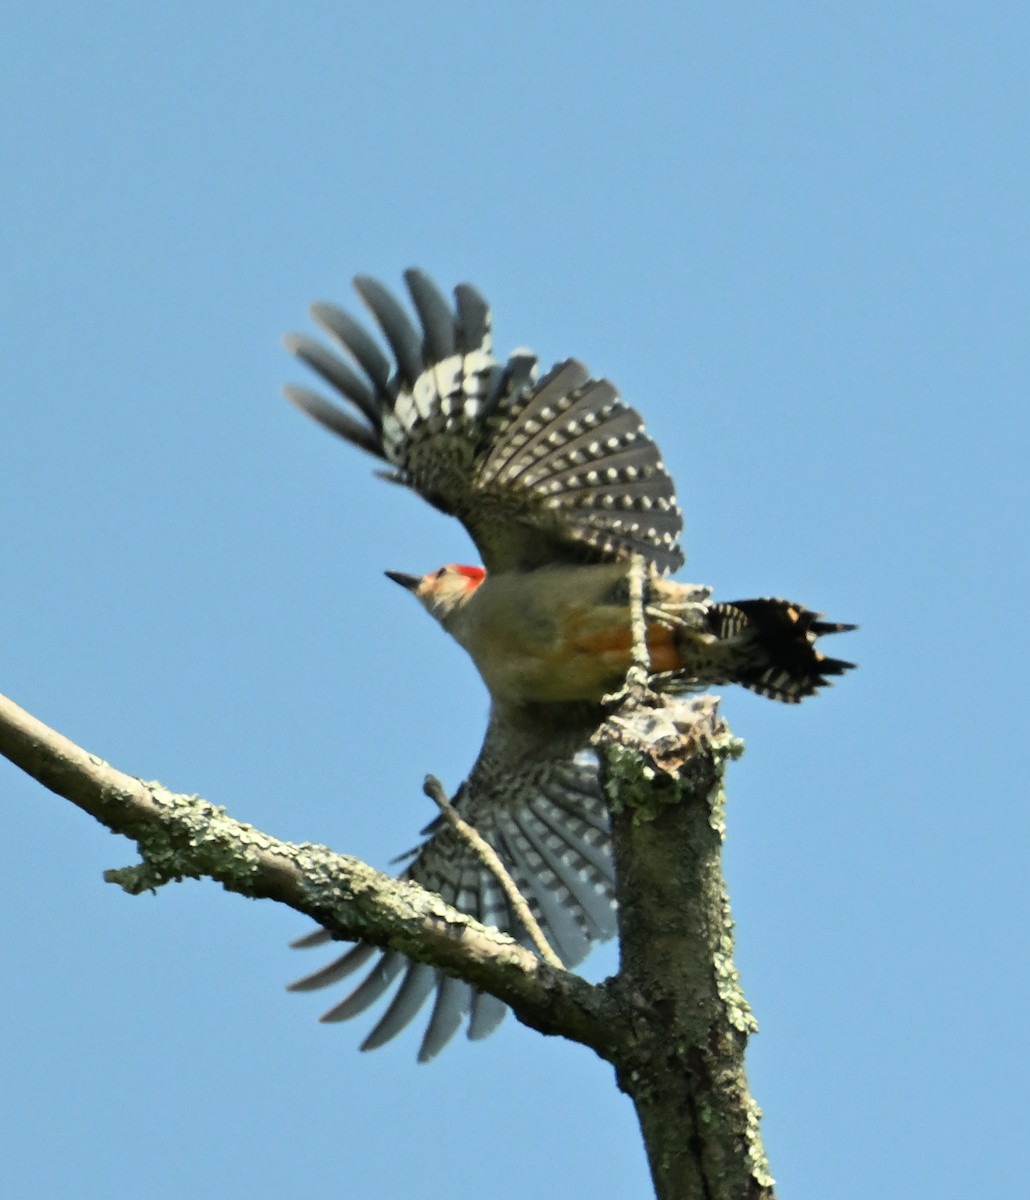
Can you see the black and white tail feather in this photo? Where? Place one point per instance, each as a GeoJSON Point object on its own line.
{"type": "Point", "coordinates": [537, 471]}
{"type": "Point", "coordinates": [769, 647]}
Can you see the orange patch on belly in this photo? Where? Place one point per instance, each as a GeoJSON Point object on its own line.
{"type": "Point", "coordinates": [614, 642]}
{"type": "Point", "coordinates": [661, 645]}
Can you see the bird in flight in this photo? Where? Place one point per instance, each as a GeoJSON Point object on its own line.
{"type": "Point", "coordinates": [561, 489]}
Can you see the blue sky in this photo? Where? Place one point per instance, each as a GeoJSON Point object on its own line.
{"type": "Point", "coordinates": [796, 236]}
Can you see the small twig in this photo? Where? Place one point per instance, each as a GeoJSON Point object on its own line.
{"type": "Point", "coordinates": [488, 857]}
{"type": "Point", "coordinates": [640, 658]}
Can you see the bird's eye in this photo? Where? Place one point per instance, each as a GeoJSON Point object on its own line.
{"type": "Point", "coordinates": [441, 573]}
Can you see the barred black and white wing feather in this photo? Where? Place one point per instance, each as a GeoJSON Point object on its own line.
{"type": "Point", "coordinates": [537, 471]}
{"type": "Point", "coordinates": [536, 799]}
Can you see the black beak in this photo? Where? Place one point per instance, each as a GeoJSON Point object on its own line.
{"type": "Point", "coordinates": [410, 582]}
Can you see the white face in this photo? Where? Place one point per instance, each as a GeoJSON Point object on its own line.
{"type": "Point", "coordinates": [443, 590]}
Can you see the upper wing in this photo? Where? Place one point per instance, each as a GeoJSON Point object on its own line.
{"type": "Point", "coordinates": [535, 470]}
{"type": "Point", "coordinates": [535, 798]}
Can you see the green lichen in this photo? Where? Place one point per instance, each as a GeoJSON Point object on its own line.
{"type": "Point", "coordinates": [755, 1150]}
{"type": "Point", "coordinates": [192, 839]}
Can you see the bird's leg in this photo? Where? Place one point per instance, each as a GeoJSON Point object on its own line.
{"type": "Point", "coordinates": [676, 605]}
{"type": "Point", "coordinates": [671, 617]}
{"type": "Point", "coordinates": [674, 682]}
{"type": "Point", "coordinates": [654, 615]}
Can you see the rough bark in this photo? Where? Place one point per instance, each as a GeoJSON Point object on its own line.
{"type": "Point", "coordinates": [690, 1021]}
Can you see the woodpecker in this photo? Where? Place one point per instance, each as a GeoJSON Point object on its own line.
{"type": "Point", "coordinates": [560, 488]}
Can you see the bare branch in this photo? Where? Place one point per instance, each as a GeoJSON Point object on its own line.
{"type": "Point", "coordinates": [640, 671]}
{"type": "Point", "coordinates": [182, 836]}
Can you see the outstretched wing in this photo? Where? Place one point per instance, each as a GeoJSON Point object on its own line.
{"type": "Point", "coordinates": [537, 471]}
{"type": "Point", "coordinates": [536, 799]}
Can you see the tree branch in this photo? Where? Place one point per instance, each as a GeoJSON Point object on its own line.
{"type": "Point", "coordinates": [182, 836]}
{"type": "Point", "coordinates": [673, 1023]}
{"type": "Point", "coordinates": [663, 764]}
